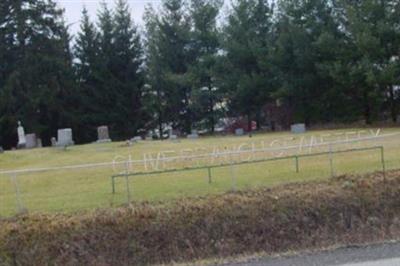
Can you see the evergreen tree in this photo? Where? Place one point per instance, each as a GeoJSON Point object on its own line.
{"type": "Point", "coordinates": [247, 45]}
{"type": "Point", "coordinates": [307, 31]}
{"type": "Point", "coordinates": [87, 74]}
{"type": "Point", "coordinates": [176, 51]}
{"type": "Point", "coordinates": [206, 44]}
{"type": "Point", "coordinates": [154, 94]}
{"type": "Point", "coordinates": [372, 30]}
{"type": "Point", "coordinates": [37, 89]}
{"type": "Point", "coordinates": [175, 55]}
{"type": "Point", "coordinates": [7, 65]}
{"type": "Point", "coordinates": [120, 72]}
{"type": "Point", "coordinates": [126, 69]}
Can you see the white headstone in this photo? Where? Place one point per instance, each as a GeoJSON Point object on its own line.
{"type": "Point", "coordinates": [64, 137]}
{"type": "Point", "coordinates": [298, 128]}
{"type": "Point", "coordinates": [21, 136]}
{"type": "Point", "coordinates": [239, 132]}
{"type": "Point", "coordinates": [194, 135]}
{"type": "Point", "coordinates": [136, 139]}
{"type": "Point", "coordinates": [53, 142]}
{"type": "Point", "coordinates": [31, 141]}
{"type": "Point", "coordinates": [39, 143]}
{"type": "Point", "coordinates": [1, 150]}
{"type": "Point", "coordinates": [170, 131]}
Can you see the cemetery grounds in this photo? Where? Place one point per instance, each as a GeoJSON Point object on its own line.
{"type": "Point", "coordinates": [79, 177]}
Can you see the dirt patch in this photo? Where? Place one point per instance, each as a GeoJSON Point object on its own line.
{"type": "Point", "coordinates": [344, 210]}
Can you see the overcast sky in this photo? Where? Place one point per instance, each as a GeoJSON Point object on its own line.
{"type": "Point", "coordinates": [73, 9]}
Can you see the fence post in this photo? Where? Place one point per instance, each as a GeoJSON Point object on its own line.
{"type": "Point", "coordinates": [209, 175]}
{"type": "Point", "coordinates": [113, 184]}
{"type": "Point", "coordinates": [331, 160]}
{"type": "Point", "coordinates": [233, 175]}
{"type": "Point", "coordinates": [128, 190]}
{"type": "Point", "coordinates": [297, 163]}
{"type": "Point", "coordinates": [383, 162]}
{"type": "Point", "coordinates": [18, 200]}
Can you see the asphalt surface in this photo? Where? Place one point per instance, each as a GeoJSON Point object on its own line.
{"type": "Point", "coordinates": [377, 255]}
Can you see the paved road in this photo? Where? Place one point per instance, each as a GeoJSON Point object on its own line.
{"type": "Point", "coordinates": [378, 255]}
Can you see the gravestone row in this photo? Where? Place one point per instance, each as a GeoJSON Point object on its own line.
{"type": "Point", "coordinates": [28, 141]}
{"type": "Point", "coordinates": [64, 138]}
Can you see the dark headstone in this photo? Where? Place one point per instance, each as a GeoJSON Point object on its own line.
{"type": "Point", "coordinates": [103, 135]}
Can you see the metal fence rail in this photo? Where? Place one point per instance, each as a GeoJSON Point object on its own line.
{"type": "Point", "coordinates": [199, 156]}
{"type": "Point", "coordinates": [83, 186]}
{"type": "Point", "coordinates": [209, 169]}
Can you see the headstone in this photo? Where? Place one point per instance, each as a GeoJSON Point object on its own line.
{"type": "Point", "coordinates": [148, 138]}
{"type": "Point", "coordinates": [53, 142]}
{"type": "Point", "coordinates": [136, 139]}
{"type": "Point", "coordinates": [21, 136]}
{"type": "Point", "coordinates": [1, 150]}
{"type": "Point", "coordinates": [194, 135]}
{"type": "Point", "coordinates": [129, 143]}
{"type": "Point", "coordinates": [239, 132]}
{"type": "Point", "coordinates": [31, 141]}
{"type": "Point", "coordinates": [103, 135]}
{"type": "Point", "coordinates": [39, 143]}
{"type": "Point", "coordinates": [170, 131]}
{"type": "Point", "coordinates": [298, 128]}
{"type": "Point", "coordinates": [64, 137]}
{"type": "Point", "coordinates": [173, 134]}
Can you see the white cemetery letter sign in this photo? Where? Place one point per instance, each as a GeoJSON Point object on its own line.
{"type": "Point", "coordinates": [21, 135]}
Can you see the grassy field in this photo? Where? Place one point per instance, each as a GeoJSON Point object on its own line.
{"type": "Point", "coordinates": [86, 188]}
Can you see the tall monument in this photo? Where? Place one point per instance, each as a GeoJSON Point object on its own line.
{"type": "Point", "coordinates": [21, 136]}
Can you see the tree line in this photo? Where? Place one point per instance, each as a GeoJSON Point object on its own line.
{"type": "Point", "coordinates": [194, 62]}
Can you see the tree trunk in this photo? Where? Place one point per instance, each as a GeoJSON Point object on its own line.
{"type": "Point", "coordinates": [188, 115]}
{"type": "Point", "coordinates": [249, 126]}
{"type": "Point", "coordinates": [211, 110]}
{"type": "Point", "coordinates": [160, 114]}
{"type": "Point", "coordinates": [393, 107]}
{"type": "Point", "coordinates": [367, 109]}
{"type": "Point", "coordinates": [160, 127]}
{"type": "Point", "coordinates": [258, 120]}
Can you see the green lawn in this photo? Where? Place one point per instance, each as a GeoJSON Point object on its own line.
{"type": "Point", "coordinates": [86, 188]}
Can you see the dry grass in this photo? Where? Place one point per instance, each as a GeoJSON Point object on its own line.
{"type": "Point", "coordinates": [344, 210]}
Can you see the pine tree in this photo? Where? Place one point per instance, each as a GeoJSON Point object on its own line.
{"type": "Point", "coordinates": [154, 94]}
{"type": "Point", "coordinates": [120, 72]}
{"type": "Point", "coordinates": [306, 33]}
{"type": "Point", "coordinates": [86, 51]}
{"type": "Point", "coordinates": [40, 84]}
{"type": "Point", "coordinates": [369, 63]}
{"type": "Point", "coordinates": [174, 51]}
{"type": "Point", "coordinates": [205, 39]}
{"type": "Point", "coordinates": [125, 66]}
{"type": "Point", "coordinates": [7, 65]}
{"type": "Point", "coordinates": [247, 46]}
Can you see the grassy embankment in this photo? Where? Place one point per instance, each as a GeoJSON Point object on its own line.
{"type": "Point", "coordinates": [71, 190]}
{"type": "Point", "coordinates": [318, 214]}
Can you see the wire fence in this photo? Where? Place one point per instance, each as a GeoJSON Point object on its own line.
{"type": "Point", "coordinates": [123, 180]}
